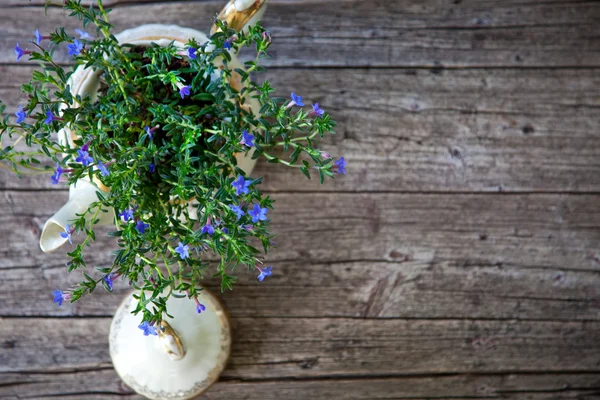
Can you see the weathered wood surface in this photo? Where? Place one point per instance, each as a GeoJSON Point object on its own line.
{"type": "Point", "coordinates": [453, 130]}
{"type": "Point", "coordinates": [388, 255]}
{"type": "Point", "coordinates": [104, 385]}
{"type": "Point", "coordinates": [459, 259]}
{"type": "Point", "coordinates": [378, 33]}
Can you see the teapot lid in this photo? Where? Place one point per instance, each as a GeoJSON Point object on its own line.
{"type": "Point", "coordinates": [148, 364]}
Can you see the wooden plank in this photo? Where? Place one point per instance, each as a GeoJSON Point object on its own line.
{"type": "Point", "coordinates": [103, 383]}
{"type": "Point", "coordinates": [380, 33]}
{"type": "Point", "coordinates": [273, 348]}
{"type": "Point", "coordinates": [386, 255]}
{"type": "Point", "coordinates": [407, 130]}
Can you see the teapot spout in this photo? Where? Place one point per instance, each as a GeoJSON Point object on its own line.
{"type": "Point", "coordinates": [240, 14]}
{"type": "Point", "coordinates": [81, 195]}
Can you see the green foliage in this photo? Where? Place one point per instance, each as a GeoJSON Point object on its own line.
{"type": "Point", "coordinates": [193, 148]}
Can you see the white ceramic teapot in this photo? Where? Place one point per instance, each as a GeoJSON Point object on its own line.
{"type": "Point", "coordinates": [239, 14]}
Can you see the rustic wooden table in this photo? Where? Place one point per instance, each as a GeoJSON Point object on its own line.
{"type": "Point", "coordinates": [460, 256]}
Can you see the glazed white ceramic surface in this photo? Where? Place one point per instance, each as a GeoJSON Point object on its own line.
{"type": "Point", "coordinates": [144, 365]}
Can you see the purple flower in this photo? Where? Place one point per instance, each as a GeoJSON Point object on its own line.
{"type": "Point", "coordinates": [183, 250]}
{"type": "Point", "coordinates": [75, 48]}
{"type": "Point", "coordinates": [49, 117]}
{"type": "Point", "coordinates": [191, 52]}
{"type": "Point", "coordinates": [127, 214]}
{"type": "Point", "coordinates": [67, 233]}
{"type": "Point", "coordinates": [149, 132]}
{"type": "Point", "coordinates": [103, 169]}
{"type": "Point", "coordinates": [237, 210]}
{"type": "Point", "coordinates": [241, 185]}
{"type": "Point", "coordinates": [84, 35]}
{"type": "Point", "coordinates": [148, 329]}
{"type": "Point", "coordinates": [258, 213]}
{"type": "Point", "coordinates": [58, 297]}
{"type": "Point", "coordinates": [184, 91]}
{"type": "Point", "coordinates": [296, 100]}
{"type": "Point", "coordinates": [21, 115]}
{"type": "Point", "coordinates": [20, 52]}
{"type": "Point", "coordinates": [264, 272]}
{"type": "Point", "coordinates": [57, 173]}
{"type": "Point", "coordinates": [227, 44]}
{"type": "Point", "coordinates": [247, 139]}
{"type": "Point", "coordinates": [141, 226]}
{"type": "Point", "coordinates": [208, 228]}
{"type": "Point", "coordinates": [200, 307]}
{"type": "Point", "coordinates": [38, 37]}
{"type": "Point", "coordinates": [109, 278]}
{"type": "Point", "coordinates": [248, 227]}
{"type": "Point", "coordinates": [152, 168]}
{"type": "Point", "coordinates": [325, 154]}
{"type": "Point", "coordinates": [84, 157]}
{"type": "Point", "coordinates": [316, 111]}
{"type": "Point", "coordinates": [341, 166]}
{"type": "Point", "coordinates": [226, 231]}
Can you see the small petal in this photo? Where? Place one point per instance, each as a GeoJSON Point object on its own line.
{"type": "Point", "coordinates": [75, 48]}
{"type": "Point", "coordinates": [103, 169]}
{"type": "Point", "coordinates": [141, 226]}
{"type": "Point", "coordinates": [38, 36]}
{"type": "Point", "coordinates": [21, 115]}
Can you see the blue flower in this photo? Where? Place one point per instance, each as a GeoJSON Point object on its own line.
{"type": "Point", "coordinates": [191, 52]}
{"type": "Point", "coordinates": [57, 173]}
{"type": "Point", "coordinates": [247, 139]}
{"type": "Point", "coordinates": [127, 214]}
{"type": "Point", "coordinates": [84, 157]}
{"type": "Point", "coordinates": [49, 117]}
{"type": "Point", "coordinates": [237, 210]}
{"type": "Point", "coordinates": [241, 185]}
{"type": "Point", "coordinates": [226, 231]}
{"type": "Point", "coordinates": [208, 228]}
{"type": "Point", "coordinates": [103, 169]}
{"type": "Point", "coordinates": [141, 226]}
{"type": "Point", "coordinates": [341, 166]}
{"type": "Point", "coordinates": [183, 250]}
{"type": "Point", "coordinates": [200, 307]}
{"type": "Point", "coordinates": [109, 278]}
{"type": "Point", "coordinates": [152, 168]}
{"type": "Point", "coordinates": [258, 213]}
{"type": "Point", "coordinates": [227, 44]}
{"type": "Point", "coordinates": [67, 233]}
{"type": "Point", "coordinates": [318, 111]}
{"type": "Point", "coordinates": [184, 91]}
{"type": "Point", "coordinates": [297, 100]}
{"type": "Point", "coordinates": [84, 35]}
{"type": "Point", "coordinates": [21, 115]}
{"type": "Point", "coordinates": [264, 272]}
{"type": "Point", "coordinates": [59, 297]}
{"type": "Point", "coordinates": [148, 329]}
{"type": "Point", "coordinates": [38, 37]}
{"type": "Point", "coordinates": [149, 132]}
{"type": "Point", "coordinates": [20, 52]}
{"type": "Point", "coordinates": [75, 48]}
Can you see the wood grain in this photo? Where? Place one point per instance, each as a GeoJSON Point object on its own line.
{"type": "Point", "coordinates": [458, 259]}
{"type": "Point", "coordinates": [430, 33]}
{"type": "Point", "coordinates": [273, 348]}
{"type": "Point", "coordinates": [102, 383]}
{"type": "Point", "coordinates": [386, 255]}
{"type": "Point", "coordinates": [414, 130]}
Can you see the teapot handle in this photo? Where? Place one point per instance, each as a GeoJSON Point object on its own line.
{"type": "Point", "coordinates": [240, 14]}
{"type": "Point", "coordinates": [171, 341]}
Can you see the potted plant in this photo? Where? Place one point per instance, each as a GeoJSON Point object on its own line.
{"type": "Point", "coordinates": [156, 130]}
